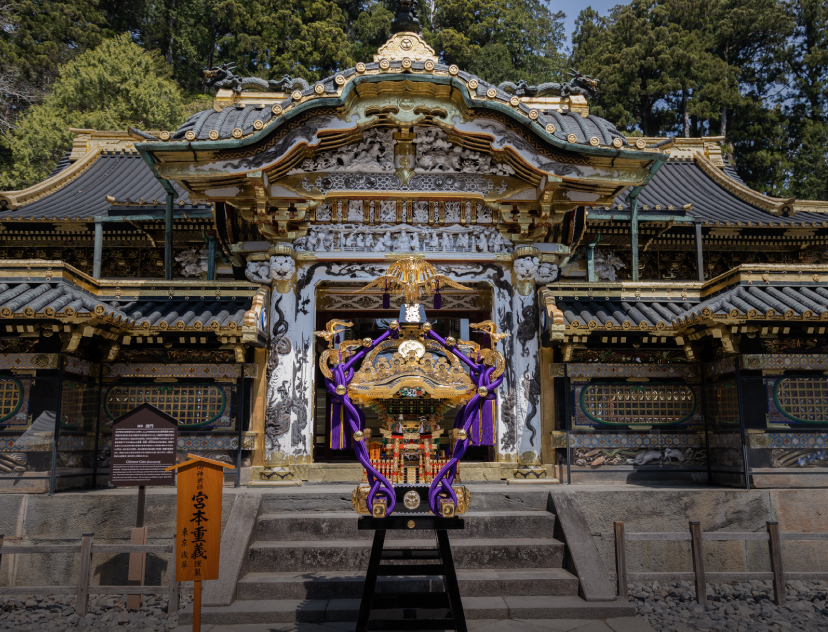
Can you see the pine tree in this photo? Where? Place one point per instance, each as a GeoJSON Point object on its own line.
{"type": "Point", "coordinates": [500, 39]}
{"type": "Point", "coordinates": [111, 87]}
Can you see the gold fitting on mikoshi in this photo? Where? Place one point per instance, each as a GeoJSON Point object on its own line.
{"type": "Point", "coordinates": [380, 509]}
{"type": "Point", "coordinates": [617, 142]}
{"type": "Point", "coordinates": [341, 390]}
{"type": "Point", "coordinates": [359, 435]}
{"type": "Point", "coordinates": [447, 508]}
{"type": "Point", "coordinates": [366, 342]}
{"type": "Point", "coordinates": [426, 326]}
{"type": "Point", "coordinates": [462, 434]}
{"type": "Point", "coordinates": [482, 391]}
{"type": "Point", "coordinates": [394, 324]}
{"type": "Point", "coordinates": [451, 341]}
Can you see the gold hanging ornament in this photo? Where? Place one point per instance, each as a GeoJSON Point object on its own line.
{"type": "Point", "coordinates": [414, 279]}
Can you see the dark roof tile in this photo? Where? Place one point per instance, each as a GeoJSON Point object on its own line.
{"type": "Point", "coordinates": [124, 176]}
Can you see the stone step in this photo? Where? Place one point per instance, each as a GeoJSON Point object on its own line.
{"type": "Point", "coordinates": [349, 584]}
{"type": "Point", "coordinates": [321, 610]}
{"type": "Point", "coordinates": [299, 555]}
{"type": "Point", "coordinates": [342, 526]}
{"type": "Point", "coordinates": [337, 498]}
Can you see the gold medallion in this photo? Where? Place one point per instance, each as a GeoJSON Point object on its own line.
{"type": "Point", "coordinates": [411, 500]}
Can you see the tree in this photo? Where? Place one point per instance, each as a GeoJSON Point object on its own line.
{"type": "Point", "coordinates": [748, 35]}
{"type": "Point", "coordinates": [806, 100]}
{"type": "Point", "coordinates": [500, 39]}
{"type": "Point", "coordinates": [111, 87]}
{"type": "Point", "coordinates": [632, 54]}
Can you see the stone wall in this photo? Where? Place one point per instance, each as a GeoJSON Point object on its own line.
{"type": "Point", "coordinates": [654, 510]}
{"type": "Point", "coordinates": [63, 518]}
{"type": "Point", "coordinates": [110, 514]}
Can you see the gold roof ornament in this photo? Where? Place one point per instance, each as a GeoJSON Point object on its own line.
{"type": "Point", "coordinates": [406, 45]}
{"type": "Point", "coordinates": [413, 278]}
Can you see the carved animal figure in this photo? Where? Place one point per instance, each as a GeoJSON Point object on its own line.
{"type": "Point", "coordinates": [288, 84]}
{"type": "Point", "coordinates": [647, 456]}
{"type": "Point", "coordinates": [224, 77]}
{"type": "Point", "coordinates": [579, 84]}
{"type": "Point", "coordinates": [673, 453]}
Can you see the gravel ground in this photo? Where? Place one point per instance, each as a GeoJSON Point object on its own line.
{"type": "Point", "coordinates": [747, 606]}
{"type": "Point", "coordinates": [106, 612]}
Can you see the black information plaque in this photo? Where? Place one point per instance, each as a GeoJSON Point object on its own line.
{"type": "Point", "coordinates": [143, 445]}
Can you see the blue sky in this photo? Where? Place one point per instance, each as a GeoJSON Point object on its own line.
{"type": "Point", "coordinates": [572, 9]}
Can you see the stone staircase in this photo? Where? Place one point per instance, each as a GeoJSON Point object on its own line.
{"type": "Point", "coordinates": [307, 562]}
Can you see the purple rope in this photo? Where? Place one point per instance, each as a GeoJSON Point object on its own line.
{"type": "Point", "coordinates": [343, 374]}
{"type": "Point", "coordinates": [481, 374]}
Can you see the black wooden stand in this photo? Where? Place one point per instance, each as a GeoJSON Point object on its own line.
{"type": "Point", "coordinates": [410, 602]}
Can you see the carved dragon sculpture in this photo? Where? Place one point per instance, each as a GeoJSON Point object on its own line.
{"type": "Point", "coordinates": [223, 77]}
{"type": "Point", "coordinates": [579, 84]}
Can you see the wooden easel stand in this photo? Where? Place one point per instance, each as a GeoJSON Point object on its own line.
{"type": "Point", "coordinates": [410, 602]}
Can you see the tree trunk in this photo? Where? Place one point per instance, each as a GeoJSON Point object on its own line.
{"type": "Point", "coordinates": [686, 113]}
{"type": "Point", "coordinates": [723, 127]}
{"type": "Point", "coordinates": [171, 23]}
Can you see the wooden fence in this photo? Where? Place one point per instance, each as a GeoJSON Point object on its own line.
{"type": "Point", "coordinates": [697, 537]}
{"type": "Point", "coordinates": [86, 548]}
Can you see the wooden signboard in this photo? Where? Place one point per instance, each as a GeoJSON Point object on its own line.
{"type": "Point", "coordinates": [143, 447]}
{"type": "Point", "coordinates": [198, 524]}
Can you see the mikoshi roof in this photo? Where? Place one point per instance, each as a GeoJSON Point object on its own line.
{"type": "Point", "coordinates": [103, 175]}
{"type": "Point", "coordinates": [54, 290]}
{"type": "Point", "coordinates": [749, 292]}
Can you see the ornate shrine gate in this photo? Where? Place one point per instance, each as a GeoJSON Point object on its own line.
{"type": "Point", "coordinates": [323, 186]}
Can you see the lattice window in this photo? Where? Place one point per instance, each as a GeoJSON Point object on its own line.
{"type": "Point", "coordinates": [190, 404]}
{"type": "Point", "coordinates": [11, 398]}
{"type": "Point", "coordinates": [631, 404]}
{"type": "Point", "coordinates": [803, 399]}
{"type": "Point", "coordinates": [722, 399]}
{"type": "Point", "coordinates": [77, 403]}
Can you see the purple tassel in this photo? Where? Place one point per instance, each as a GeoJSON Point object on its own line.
{"type": "Point", "coordinates": [483, 428]}
{"type": "Point", "coordinates": [386, 298]}
{"type": "Point", "coordinates": [336, 339]}
{"type": "Point", "coordinates": [438, 299]}
{"type": "Point", "coordinates": [340, 436]}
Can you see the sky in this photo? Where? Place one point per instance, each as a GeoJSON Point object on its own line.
{"type": "Point", "coordinates": [572, 9]}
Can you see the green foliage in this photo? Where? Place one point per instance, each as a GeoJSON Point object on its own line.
{"type": "Point", "coordinates": [47, 33]}
{"type": "Point", "coordinates": [755, 71]}
{"type": "Point", "coordinates": [111, 87]}
{"type": "Point", "coordinates": [500, 39]}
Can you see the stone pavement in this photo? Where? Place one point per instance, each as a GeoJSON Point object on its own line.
{"type": "Point", "coordinates": [621, 624]}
